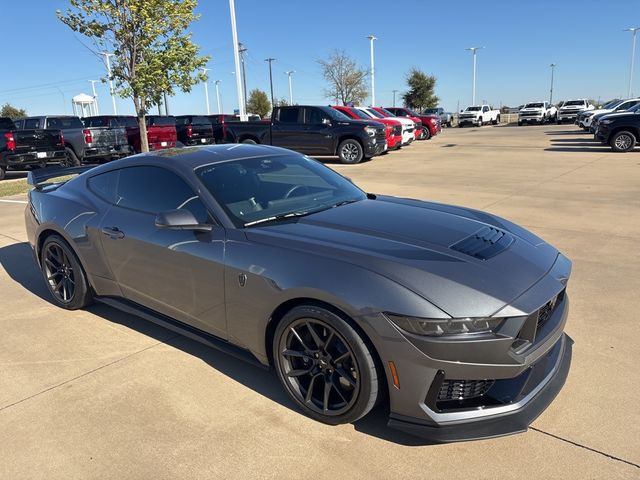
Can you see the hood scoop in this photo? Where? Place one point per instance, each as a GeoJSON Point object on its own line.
{"type": "Point", "coordinates": [485, 243]}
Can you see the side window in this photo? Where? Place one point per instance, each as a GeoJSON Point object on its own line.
{"type": "Point", "coordinates": [485, 109]}
{"type": "Point", "coordinates": [31, 123]}
{"type": "Point", "coordinates": [104, 185]}
{"type": "Point", "coordinates": [288, 115]}
{"type": "Point", "coordinates": [19, 124]}
{"type": "Point", "coordinates": [315, 116]}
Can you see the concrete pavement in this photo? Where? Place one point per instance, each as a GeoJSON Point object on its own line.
{"type": "Point", "coordinates": [101, 394]}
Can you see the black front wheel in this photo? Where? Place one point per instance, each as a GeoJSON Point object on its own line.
{"type": "Point", "coordinates": [63, 274]}
{"type": "Point", "coordinates": [350, 151]}
{"type": "Point", "coordinates": [623, 141]}
{"type": "Point", "coordinates": [325, 366]}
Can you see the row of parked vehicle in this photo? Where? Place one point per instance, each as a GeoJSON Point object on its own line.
{"type": "Point", "coordinates": [545, 112]}
{"type": "Point", "coordinates": [616, 123]}
{"type": "Point", "coordinates": [351, 133]}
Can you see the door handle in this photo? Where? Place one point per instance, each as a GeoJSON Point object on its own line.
{"type": "Point", "coordinates": [113, 232]}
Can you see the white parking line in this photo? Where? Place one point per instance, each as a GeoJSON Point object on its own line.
{"type": "Point", "coordinates": [13, 201]}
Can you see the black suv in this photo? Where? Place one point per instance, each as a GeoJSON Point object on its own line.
{"type": "Point", "coordinates": [621, 130]}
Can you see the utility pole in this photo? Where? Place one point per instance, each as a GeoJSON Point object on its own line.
{"type": "Point", "coordinates": [373, 72]}
{"type": "Point", "coordinates": [218, 96]}
{"type": "Point", "coordinates": [107, 62]}
{"type": "Point", "coordinates": [206, 89]}
{"type": "Point", "coordinates": [394, 97]}
{"type": "Point", "coordinates": [270, 79]}
{"type": "Point", "coordinates": [289, 73]}
{"type": "Point", "coordinates": [633, 30]}
{"type": "Point", "coordinates": [236, 59]}
{"type": "Point", "coordinates": [474, 50]}
{"type": "Point", "coordinates": [242, 50]}
{"type": "Point", "coordinates": [95, 96]}
{"type": "Point", "coordinates": [553, 67]}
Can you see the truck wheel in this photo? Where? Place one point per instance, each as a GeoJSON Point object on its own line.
{"type": "Point", "coordinates": [480, 122]}
{"type": "Point", "coordinates": [426, 134]}
{"type": "Point", "coordinates": [249, 141]}
{"type": "Point", "coordinates": [519, 123]}
{"type": "Point", "coordinates": [3, 172]}
{"type": "Point", "coordinates": [460, 125]}
{"type": "Point", "coordinates": [350, 151]}
{"type": "Point", "coordinates": [622, 141]}
{"type": "Point", "coordinates": [70, 159]}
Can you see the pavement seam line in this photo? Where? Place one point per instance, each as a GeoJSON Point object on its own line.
{"type": "Point", "coordinates": [11, 238]}
{"type": "Point", "coordinates": [576, 444]}
{"type": "Point", "coordinates": [86, 373]}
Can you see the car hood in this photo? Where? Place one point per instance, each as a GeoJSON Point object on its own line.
{"type": "Point", "coordinates": [614, 115]}
{"type": "Point", "coordinates": [409, 242]}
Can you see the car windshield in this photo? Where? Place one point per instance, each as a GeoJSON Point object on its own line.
{"type": "Point", "coordinates": [336, 114]}
{"type": "Point", "coordinates": [359, 114]}
{"type": "Point", "coordinates": [372, 113]}
{"type": "Point", "coordinates": [612, 104]}
{"type": "Point", "coordinates": [474, 109]}
{"type": "Point", "coordinates": [534, 105]}
{"type": "Point", "coordinates": [387, 112]}
{"type": "Point", "coordinates": [260, 190]}
{"type": "Point", "coordinates": [412, 112]}
{"type": "Point", "coordinates": [574, 103]}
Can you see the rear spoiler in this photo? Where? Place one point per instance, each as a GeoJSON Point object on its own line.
{"type": "Point", "coordinates": [39, 177]}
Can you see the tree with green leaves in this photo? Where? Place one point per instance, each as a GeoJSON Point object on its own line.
{"type": "Point", "coordinates": [12, 112]}
{"type": "Point", "coordinates": [421, 93]}
{"type": "Point", "coordinates": [258, 102]}
{"type": "Point", "coordinates": [282, 102]}
{"type": "Point", "coordinates": [347, 81]}
{"type": "Point", "coordinates": [153, 50]}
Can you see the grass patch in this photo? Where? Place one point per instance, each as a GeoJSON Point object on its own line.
{"type": "Point", "coordinates": [15, 187]}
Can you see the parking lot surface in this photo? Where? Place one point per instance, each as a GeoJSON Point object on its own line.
{"type": "Point", "coordinates": [101, 394]}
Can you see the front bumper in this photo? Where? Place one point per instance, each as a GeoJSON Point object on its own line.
{"type": "Point", "coordinates": [553, 368]}
{"type": "Point", "coordinates": [470, 120]}
{"type": "Point", "coordinates": [374, 148]}
{"type": "Point", "coordinates": [567, 116]}
{"type": "Point", "coordinates": [531, 119]}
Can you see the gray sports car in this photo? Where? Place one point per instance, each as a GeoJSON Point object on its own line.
{"type": "Point", "coordinates": [452, 317]}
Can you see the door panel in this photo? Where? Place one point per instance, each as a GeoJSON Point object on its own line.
{"type": "Point", "coordinates": [317, 137]}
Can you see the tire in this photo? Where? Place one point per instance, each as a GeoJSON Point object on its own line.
{"type": "Point", "coordinates": [460, 125]}
{"type": "Point", "coordinates": [480, 123]}
{"type": "Point", "coordinates": [519, 123]}
{"type": "Point", "coordinates": [70, 159]}
{"type": "Point", "coordinates": [558, 122]}
{"type": "Point", "coordinates": [352, 382]}
{"type": "Point", "coordinates": [350, 151]}
{"type": "Point", "coordinates": [249, 141]}
{"type": "Point", "coordinates": [623, 141]}
{"type": "Point", "coordinates": [426, 134]}
{"type": "Point", "coordinates": [63, 274]}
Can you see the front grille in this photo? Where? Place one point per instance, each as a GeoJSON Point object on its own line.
{"type": "Point", "coordinates": [397, 130]}
{"type": "Point", "coordinates": [463, 389]}
{"type": "Point", "coordinates": [530, 114]}
{"type": "Point", "coordinates": [545, 312]}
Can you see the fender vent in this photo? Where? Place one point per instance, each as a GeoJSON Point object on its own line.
{"type": "Point", "coordinates": [485, 243]}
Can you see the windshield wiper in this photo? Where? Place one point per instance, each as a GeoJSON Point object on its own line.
{"type": "Point", "coordinates": [277, 218]}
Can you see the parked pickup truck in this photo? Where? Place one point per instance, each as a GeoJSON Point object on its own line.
{"type": "Point", "coordinates": [314, 130]}
{"type": "Point", "coordinates": [430, 123]}
{"type": "Point", "coordinates": [478, 115]}
{"type": "Point", "coordinates": [537, 112]}
{"type": "Point", "coordinates": [393, 128]}
{"type": "Point", "coordinates": [446, 118]}
{"type": "Point", "coordinates": [161, 132]}
{"type": "Point", "coordinates": [570, 109]}
{"type": "Point", "coordinates": [194, 130]}
{"type": "Point", "coordinates": [20, 149]}
{"type": "Point", "coordinates": [83, 144]}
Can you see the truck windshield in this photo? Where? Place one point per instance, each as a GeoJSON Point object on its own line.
{"type": "Point", "coordinates": [359, 114]}
{"type": "Point", "coordinates": [574, 103]}
{"type": "Point", "coordinates": [534, 105]}
{"type": "Point", "coordinates": [474, 109]}
{"type": "Point", "coordinates": [258, 190]}
{"type": "Point", "coordinates": [373, 113]}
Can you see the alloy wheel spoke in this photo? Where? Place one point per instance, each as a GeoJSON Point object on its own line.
{"type": "Point", "coordinates": [342, 357]}
{"type": "Point", "coordinates": [298, 372]}
{"type": "Point", "coordinates": [344, 374]}
{"type": "Point", "coordinates": [50, 264]}
{"type": "Point", "coordinates": [327, 391]}
{"type": "Point", "coordinates": [295, 353]}
{"type": "Point", "coordinates": [309, 395]}
{"type": "Point", "coordinates": [339, 390]}
{"type": "Point", "coordinates": [304, 345]}
{"type": "Point", "coordinates": [316, 338]}
{"type": "Point", "coordinates": [57, 286]}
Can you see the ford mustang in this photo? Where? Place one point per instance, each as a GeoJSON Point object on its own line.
{"type": "Point", "coordinates": [452, 318]}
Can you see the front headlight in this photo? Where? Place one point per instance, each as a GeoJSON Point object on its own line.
{"type": "Point", "coordinates": [371, 131]}
{"type": "Point", "coordinates": [605, 122]}
{"type": "Point", "coordinates": [443, 327]}
{"type": "Point", "coordinates": [587, 114]}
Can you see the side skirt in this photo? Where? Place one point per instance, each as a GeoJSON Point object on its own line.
{"type": "Point", "coordinates": [183, 329]}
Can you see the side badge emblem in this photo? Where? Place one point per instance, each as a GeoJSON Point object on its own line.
{"type": "Point", "coordinates": [242, 279]}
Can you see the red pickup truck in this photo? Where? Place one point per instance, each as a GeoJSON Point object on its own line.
{"type": "Point", "coordinates": [161, 131]}
{"type": "Point", "coordinates": [393, 128]}
{"type": "Point", "coordinates": [431, 123]}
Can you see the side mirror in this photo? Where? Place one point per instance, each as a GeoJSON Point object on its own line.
{"type": "Point", "coordinates": [180, 220]}
{"type": "Point", "coordinates": [326, 121]}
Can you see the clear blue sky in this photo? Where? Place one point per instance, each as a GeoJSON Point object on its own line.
{"type": "Point", "coordinates": [42, 57]}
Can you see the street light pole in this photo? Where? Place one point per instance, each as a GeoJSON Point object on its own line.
{"type": "Point", "coordinates": [107, 62]}
{"type": "Point", "coordinates": [242, 50]}
{"type": "Point", "coordinates": [289, 73]}
{"type": "Point", "coordinates": [218, 95]}
{"type": "Point", "coordinates": [206, 89]}
{"type": "Point", "coordinates": [474, 50]}
{"type": "Point", "coordinates": [95, 96]}
{"type": "Point", "coordinates": [394, 97]}
{"type": "Point", "coordinates": [236, 59]}
{"type": "Point", "coordinates": [270, 78]}
{"type": "Point", "coordinates": [373, 72]}
{"type": "Point", "coordinates": [553, 67]}
{"type": "Point", "coordinates": [633, 31]}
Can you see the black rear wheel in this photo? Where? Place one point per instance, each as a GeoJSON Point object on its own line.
{"type": "Point", "coordinates": [70, 159]}
{"type": "Point", "coordinates": [324, 365]}
{"type": "Point", "coordinates": [63, 274]}
{"type": "Point", "coordinates": [350, 151]}
{"type": "Point", "coordinates": [623, 141]}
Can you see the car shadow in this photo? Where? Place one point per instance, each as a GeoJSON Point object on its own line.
{"type": "Point", "coordinates": [17, 260]}
{"type": "Point", "coordinates": [567, 132]}
{"type": "Point", "coordinates": [578, 148]}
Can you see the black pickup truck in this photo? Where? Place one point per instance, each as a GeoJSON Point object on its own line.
{"type": "Point", "coordinates": [194, 130]}
{"type": "Point", "coordinates": [313, 130]}
{"type": "Point", "coordinates": [22, 149]}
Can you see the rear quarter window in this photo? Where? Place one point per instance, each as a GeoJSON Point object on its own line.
{"type": "Point", "coordinates": [64, 123]}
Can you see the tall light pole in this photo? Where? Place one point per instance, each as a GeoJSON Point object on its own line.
{"type": "Point", "coordinates": [218, 95]}
{"type": "Point", "coordinates": [633, 31]}
{"type": "Point", "coordinates": [553, 67]}
{"type": "Point", "coordinates": [270, 78]}
{"type": "Point", "coordinates": [107, 63]}
{"type": "Point", "coordinates": [236, 59]}
{"type": "Point", "coordinates": [474, 50]}
{"type": "Point", "coordinates": [206, 89]}
{"type": "Point", "coordinates": [373, 72]}
{"type": "Point", "coordinates": [242, 50]}
{"type": "Point", "coordinates": [289, 73]}
{"type": "Point", "coordinates": [394, 97]}
{"type": "Point", "coordinates": [95, 95]}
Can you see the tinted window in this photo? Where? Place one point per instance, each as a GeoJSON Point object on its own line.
{"type": "Point", "coordinates": [19, 124]}
{"type": "Point", "coordinates": [157, 120]}
{"type": "Point", "coordinates": [31, 123]}
{"type": "Point", "coordinates": [96, 122]}
{"type": "Point", "coordinates": [373, 113]}
{"type": "Point", "coordinates": [6, 124]}
{"type": "Point", "coordinates": [359, 113]}
{"type": "Point", "coordinates": [315, 116]}
{"type": "Point", "coordinates": [200, 121]}
{"type": "Point", "coordinates": [288, 115]}
{"type": "Point", "coordinates": [183, 121]}
{"type": "Point", "coordinates": [64, 122]}
{"type": "Point", "coordinates": [127, 121]}
{"type": "Point", "coordinates": [574, 103]}
{"type": "Point", "coordinates": [148, 189]}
